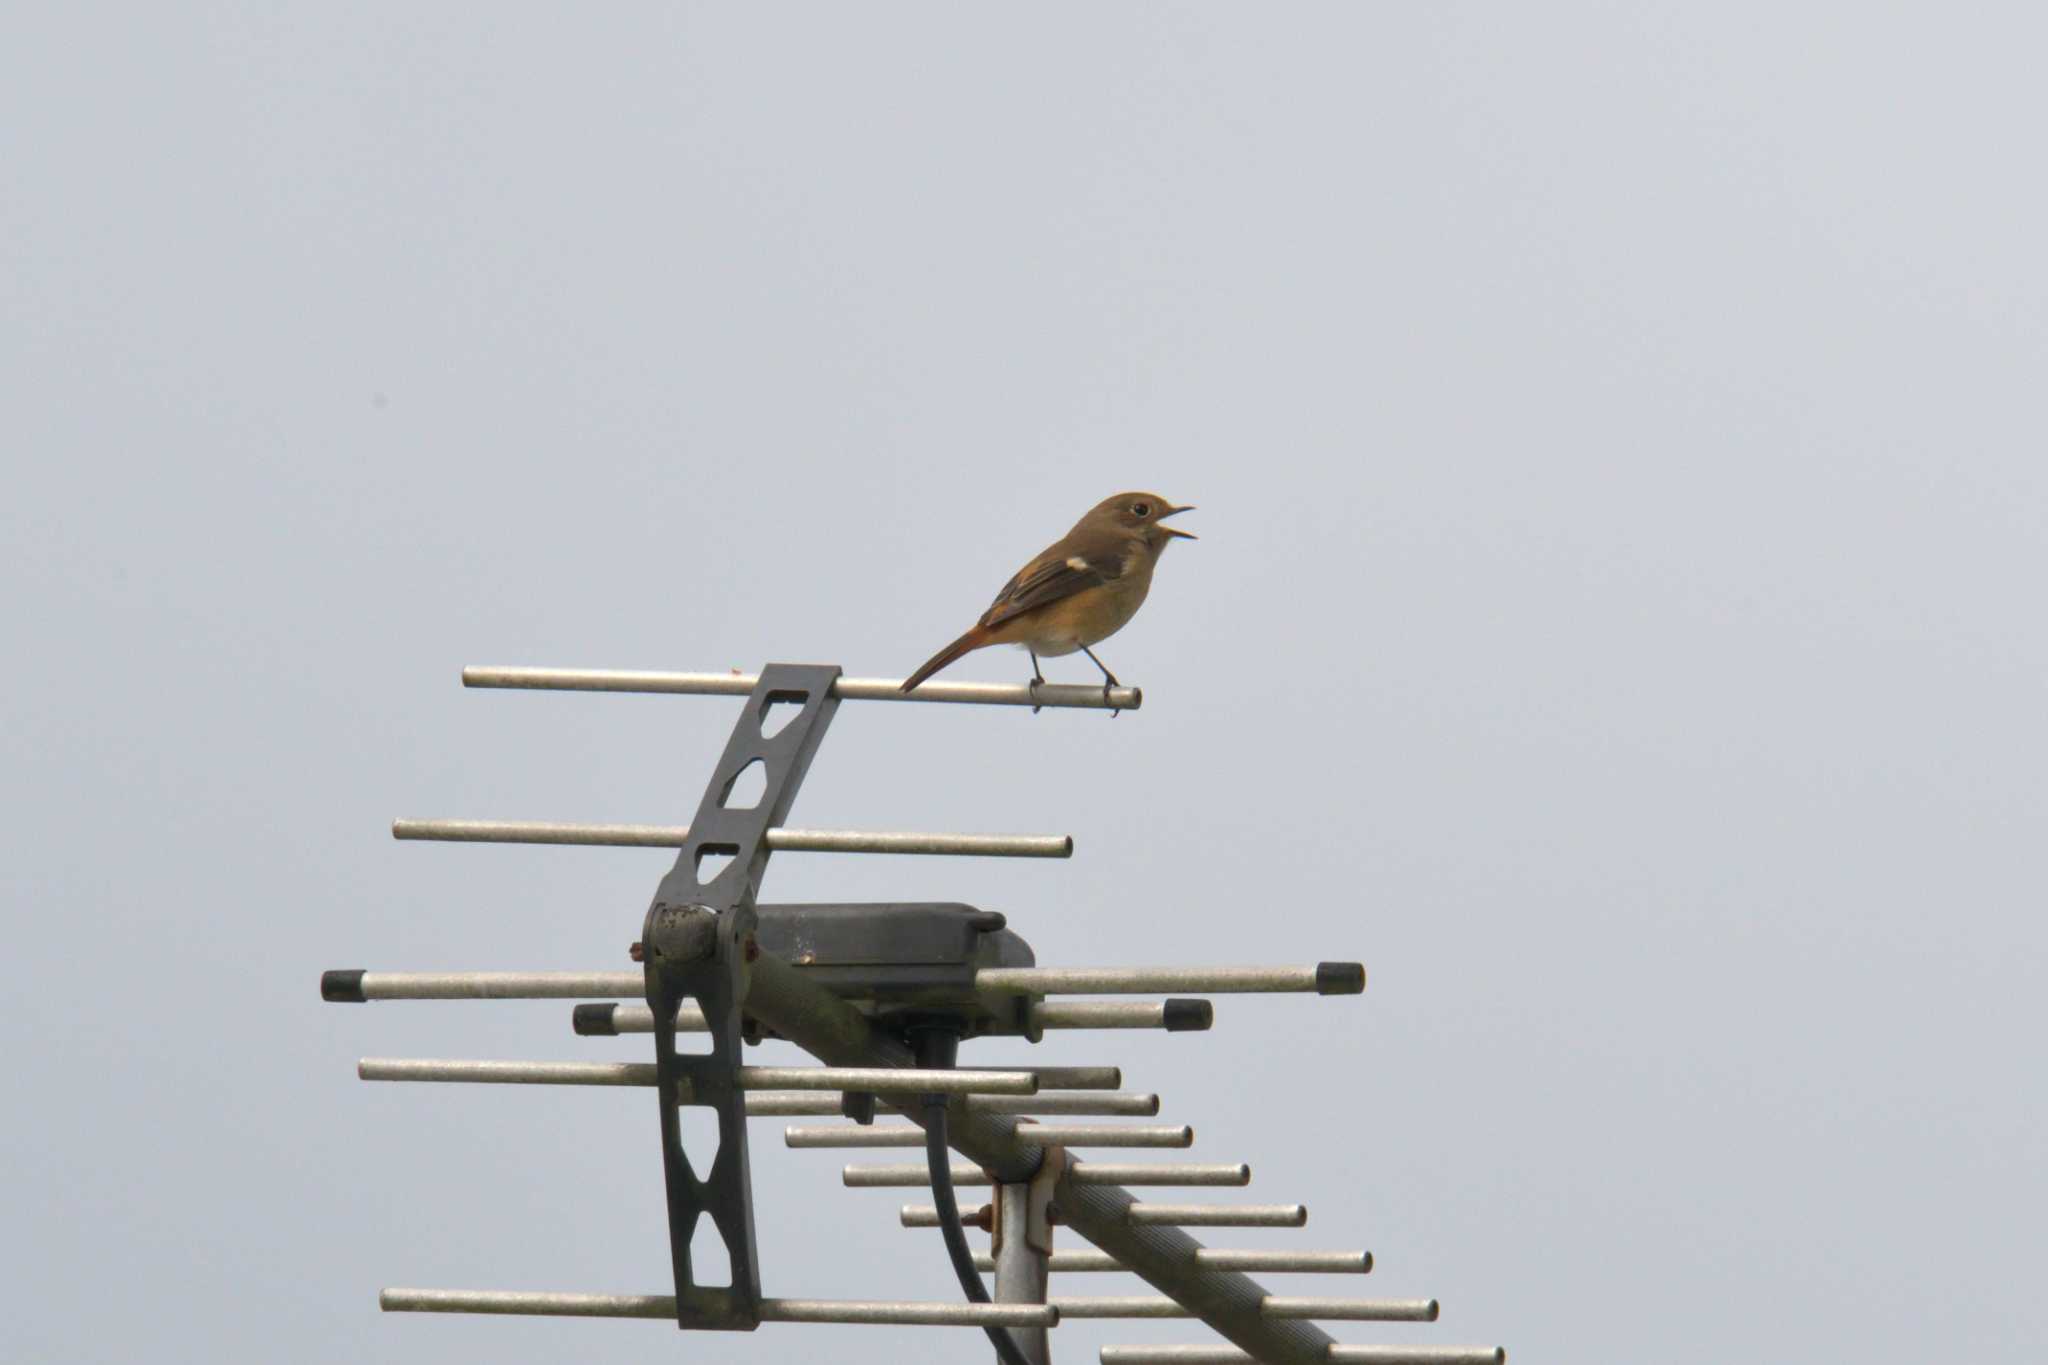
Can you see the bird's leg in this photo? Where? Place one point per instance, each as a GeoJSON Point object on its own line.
{"type": "Point", "coordinates": [1037, 681]}
{"type": "Point", "coordinates": [1108, 681]}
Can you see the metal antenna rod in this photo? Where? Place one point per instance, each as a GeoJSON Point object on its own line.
{"type": "Point", "coordinates": [353, 985]}
{"type": "Point", "coordinates": [1174, 1215]}
{"type": "Point", "coordinates": [1210, 1258]}
{"type": "Point", "coordinates": [897, 1080]}
{"type": "Point", "coordinates": [1337, 1355]}
{"type": "Point", "coordinates": [1343, 1310]}
{"type": "Point", "coordinates": [1325, 978]}
{"type": "Point", "coordinates": [845, 689]}
{"type": "Point", "coordinates": [767, 1104]}
{"type": "Point", "coordinates": [778, 839]}
{"type": "Point", "coordinates": [552, 1304]}
{"type": "Point", "coordinates": [1174, 1016]}
{"type": "Point", "coordinates": [1094, 1102]}
{"type": "Point", "coordinates": [1221, 1215]}
{"type": "Point", "coordinates": [1185, 1173]}
{"type": "Point", "coordinates": [1040, 1134]}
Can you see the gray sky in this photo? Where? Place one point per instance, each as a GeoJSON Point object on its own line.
{"type": "Point", "coordinates": [1618, 436]}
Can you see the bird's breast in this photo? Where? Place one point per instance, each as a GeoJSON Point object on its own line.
{"type": "Point", "coordinates": [1093, 614]}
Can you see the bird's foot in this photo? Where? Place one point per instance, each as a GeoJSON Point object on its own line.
{"type": "Point", "coordinates": [1033, 686]}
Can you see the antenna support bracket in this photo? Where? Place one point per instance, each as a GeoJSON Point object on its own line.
{"type": "Point", "coordinates": [696, 944]}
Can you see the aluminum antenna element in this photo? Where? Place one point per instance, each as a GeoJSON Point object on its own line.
{"type": "Point", "coordinates": [698, 938]}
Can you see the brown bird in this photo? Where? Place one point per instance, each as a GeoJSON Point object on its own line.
{"type": "Point", "coordinates": [1079, 591]}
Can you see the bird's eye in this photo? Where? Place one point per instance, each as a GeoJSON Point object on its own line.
{"type": "Point", "coordinates": [1141, 509]}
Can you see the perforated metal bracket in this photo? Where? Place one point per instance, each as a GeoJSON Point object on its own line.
{"type": "Point", "coordinates": [697, 940]}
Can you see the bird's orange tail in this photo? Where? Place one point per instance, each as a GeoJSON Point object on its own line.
{"type": "Point", "coordinates": [972, 640]}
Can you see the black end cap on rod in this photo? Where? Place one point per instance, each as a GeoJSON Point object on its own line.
{"type": "Point", "coordinates": [1340, 978]}
{"type": "Point", "coordinates": [595, 1021]}
{"type": "Point", "coordinates": [343, 987]}
{"type": "Point", "coordinates": [1193, 1016]}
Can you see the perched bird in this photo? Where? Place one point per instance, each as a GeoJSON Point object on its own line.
{"type": "Point", "coordinates": [1080, 590]}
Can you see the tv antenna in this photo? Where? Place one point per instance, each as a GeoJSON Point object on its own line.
{"type": "Point", "coordinates": [883, 995]}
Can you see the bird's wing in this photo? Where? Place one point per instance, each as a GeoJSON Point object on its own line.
{"type": "Point", "coordinates": [1074, 564]}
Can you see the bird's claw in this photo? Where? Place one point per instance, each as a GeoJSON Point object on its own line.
{"type": "Point", "coordinates": [1108, 681]}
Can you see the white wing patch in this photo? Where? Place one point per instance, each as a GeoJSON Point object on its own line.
{"type": "Point", "coordinates": [1077, 564]}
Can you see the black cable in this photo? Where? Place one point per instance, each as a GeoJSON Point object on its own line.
{"type": "Point", "coordinates": [939, 1158]}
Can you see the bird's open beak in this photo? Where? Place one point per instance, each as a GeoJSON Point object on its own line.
{"type": "Point", "coordinates": [1174, 530]}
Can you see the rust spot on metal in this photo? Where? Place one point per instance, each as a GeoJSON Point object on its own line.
{"type": "Point", "coordinates": [638, 952]}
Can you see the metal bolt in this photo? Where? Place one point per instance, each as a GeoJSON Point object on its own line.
{"type": "Point", "coordinates": [638, 952]}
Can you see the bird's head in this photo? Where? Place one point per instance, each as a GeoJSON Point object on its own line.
{"type": "Point", "coordinates": [1142, 515]}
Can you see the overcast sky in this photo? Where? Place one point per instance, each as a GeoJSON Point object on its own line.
{"type": "Point", "coordinates": [1618, 437]}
